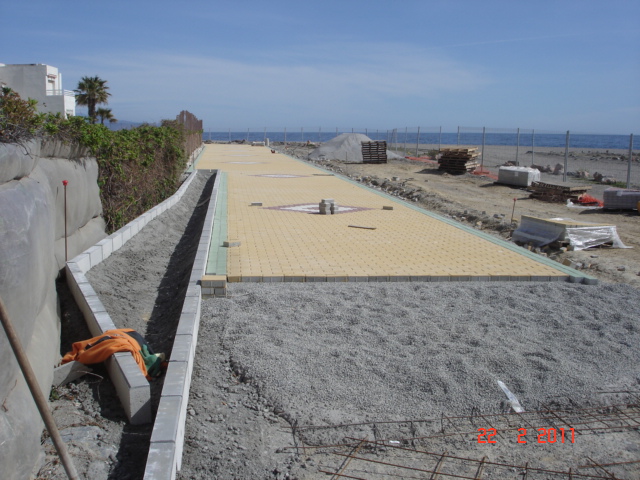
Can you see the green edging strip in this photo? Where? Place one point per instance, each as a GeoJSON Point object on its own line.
{"type": "Point", "coordinates": [485, 236]}
{"type": "Point", "coordinates": [217, 261]}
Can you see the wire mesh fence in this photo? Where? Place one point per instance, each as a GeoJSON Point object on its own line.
{"type": "Point", "coordinates": [560, 155]}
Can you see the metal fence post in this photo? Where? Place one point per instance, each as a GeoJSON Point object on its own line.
{"type": "Point", "coordinates": [458, 135]}
{"type": "Point", "coordinates": [417, 142]}
{"type": "Point", "coordinates": [629, 163]}
{"type": "Point", "coordinates": [406, 130]}
{"type": "Point", "coordinates": [566, 158]}
{"type": "Point", "coordinates": [517, 147]}
{"type": "Point", "coordinates": [285, 137]}
{"type": "Point", "coordinates": [532, 142]}
{"type": "Point", "coordinates": [482, 151]}
{"type": "Point", "coordinates": [440, 139]}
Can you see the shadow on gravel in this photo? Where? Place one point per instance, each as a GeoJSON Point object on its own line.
{"type": "Point", "coordinates": [161, 329]}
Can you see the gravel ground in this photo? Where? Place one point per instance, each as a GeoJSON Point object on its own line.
{"type": "Point", "coordinates": [271, 357]}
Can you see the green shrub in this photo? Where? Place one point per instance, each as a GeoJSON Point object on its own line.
{"type": "Point", "coordinates": [138, 168]}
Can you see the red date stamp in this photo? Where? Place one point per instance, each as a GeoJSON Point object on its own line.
{"type": "Point", "coordinates": [544, 435]}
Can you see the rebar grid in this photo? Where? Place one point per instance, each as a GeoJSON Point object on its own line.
{"type": "Point", "coordinates": [397, 455]}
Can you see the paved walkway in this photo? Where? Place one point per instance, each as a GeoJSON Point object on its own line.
{"type": "Point", "coordinates": [286, 239]}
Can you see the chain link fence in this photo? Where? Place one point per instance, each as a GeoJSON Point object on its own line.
{"type": "Point", "coordinates": [562, 156]}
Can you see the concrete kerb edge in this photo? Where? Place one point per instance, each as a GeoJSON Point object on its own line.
{"type": "Point", "coordinates": [572, 275]}
{"type": "Point", "coordinates": [167, 438]}
{"type": "Point", "coordinates": [132, 387]}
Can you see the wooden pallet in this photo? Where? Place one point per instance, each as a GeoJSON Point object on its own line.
{"type": "Point", "coordinates": [458, 161]}
{"type": "Point", "coordinates": [374, 152]}
{"type": "Point", "coordinates": [551, 192]}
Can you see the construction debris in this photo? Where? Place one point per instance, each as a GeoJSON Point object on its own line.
{"type": "Point", "coordinates": [374, 152]}
{"type": "Point", "coordinates": [328, 206]}
{"type": "Point", "coordinates": [560, 192]}
{"type": "Point", "coordinates": [458, 160]}
{"type": "Point", "coordinates": [359, 226]}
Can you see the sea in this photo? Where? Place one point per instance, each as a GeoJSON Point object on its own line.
{"type": "Point", "coordinates": [471, 136]}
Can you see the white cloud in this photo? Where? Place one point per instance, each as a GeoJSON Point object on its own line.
{"type": "Point", "coordinates": [335, 78]}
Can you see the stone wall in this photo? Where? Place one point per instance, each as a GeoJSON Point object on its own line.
{"type": "Point", "coordinates": [32, 254]}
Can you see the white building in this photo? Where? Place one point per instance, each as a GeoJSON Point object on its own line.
{"type": "Point", "coordinates": [42, 83]}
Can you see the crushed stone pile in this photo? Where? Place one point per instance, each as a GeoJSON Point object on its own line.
{"type": "Point", "coordinates": [346, 147]}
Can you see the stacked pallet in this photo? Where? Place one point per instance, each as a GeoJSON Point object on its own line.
{"type": "Point", "coordinates": [374, 152]}
{"type": "Point", "coordinates": [551, 192]}
{"type": "Point", "coordinates": [458, 160]}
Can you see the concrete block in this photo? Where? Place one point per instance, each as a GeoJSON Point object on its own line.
{"type": "Point", "coordinates": [539, 278]}
{"type": "Point", "coordinates": [207, 292]}
{"type": "Point", "coordinates": [107, 247]}
{"type": "Point", "coordinates": [134, 226]}
{"type": "Point", "coordinates": [102, 322]}
{"type": "Point", "coordinates": [95, 255]}
{"type": "Point", "coordinates": [126, 234]}
{"type": "Point", "coordinates": [399, 278]}
{"type": "Point", "coordinates": [520, 278]}
{"type": "Point", "coordinates": [358, 278]}
{"type": "Point", "coordinates": [440, 278]}
{"type": "Point", "coordinates": [83, 261]}
{"type": "Point", "coordinates": [166, 426]}
{"type": "Point", "coordinates": [161, 461]}
{"type": "Point", "coordinates": [590, 281]}
{"type": "Point", "coordinates": [214, 281]}
{"type": "Point", "coordinates": [116, 238]}
{"type": "Point", "coordinates": [68, 373]}
{"type": "Point", "coordinates": [315, 279]}
{"type": "Point", "coordinates": [184, 347]}
{"type": "Point", "coordinates": [132, 387]}
{"type": "Point", "coordinates": [220, 292]}
{"type": "Point", "coordinates": [500, 278]}
{"type": "Point", "coordinates": [251, 279]}
{"type": "Point", "coordinates": [175, 380]}
{"type": "Point", "coordinates": [460, 278]}
{"type": "Point", "coordinates": [187, 323]}
{"type": "Point", "coordinates": [420, 278]}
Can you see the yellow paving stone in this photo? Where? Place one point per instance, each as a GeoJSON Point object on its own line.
{"type": "Point", "coordinates": [286, 237]}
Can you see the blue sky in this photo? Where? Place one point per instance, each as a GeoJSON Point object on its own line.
{"type": "Point", "coordinates": [550, 65]}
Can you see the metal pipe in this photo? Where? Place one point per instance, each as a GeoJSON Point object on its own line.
{"type": "Point", "coordinates": [482, 152]}
{"type": "Point", "coordinates": [629, 163]}
{"type": "Point", "coordinates": [417, 142]}
{"type": "Point", "coordinates": [36, 393]}
{"type": "Point", "coordinates": [517, 147]}
{"type": "Point", "coordinates": [66, 250]}
{"type": "Point", "coordinates": [566, 158]}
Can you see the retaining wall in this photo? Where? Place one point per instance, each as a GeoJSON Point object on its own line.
{"type": "Point", "coordinates": [31, 256]}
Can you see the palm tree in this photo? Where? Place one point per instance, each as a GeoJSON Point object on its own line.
{"type": "Point", "coordinates": [92, 91]}
{"type": "Point", "coordinates": [105, 114]}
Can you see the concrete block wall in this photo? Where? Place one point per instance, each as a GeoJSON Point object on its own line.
{"type": "Point", "coordinates": [131, 385]}
{"type": "Point", "coordinates": [167, 438]}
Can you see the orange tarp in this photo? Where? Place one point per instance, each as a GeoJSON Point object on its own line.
{"type": "Point", "coordinates": [98, 349]}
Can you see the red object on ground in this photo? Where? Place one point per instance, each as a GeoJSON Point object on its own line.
{"type": "Point", "coordinates": [585, 199]}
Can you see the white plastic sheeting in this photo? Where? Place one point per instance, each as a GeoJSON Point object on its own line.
{"type": "Point", "coordinates": [540, 232]}
{"type": "Point", "coordinates": [31, 255]}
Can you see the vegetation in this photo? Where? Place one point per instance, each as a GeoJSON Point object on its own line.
{"type": "Point", "coordinates": [105, 114]}
{"type": "Point", "coordinates": [92, 91]}
{"type": "Point", "coordinates": [138, 168]}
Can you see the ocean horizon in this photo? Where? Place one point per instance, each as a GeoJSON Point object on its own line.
{"type": "Point", "coordinates": [526, 139]}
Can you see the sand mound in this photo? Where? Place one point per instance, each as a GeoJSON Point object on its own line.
{"type": "Point", "coordinates": [346, 147]}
